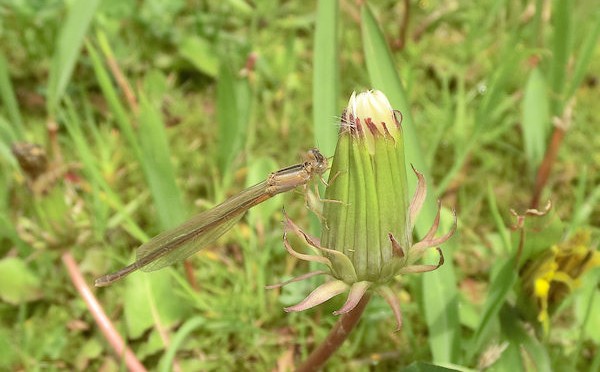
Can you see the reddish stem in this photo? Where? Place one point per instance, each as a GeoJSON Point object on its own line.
{"type": "Point", "coordinates": [122, 83]}
{"type": "Point", "coordinates": [106, 327]}
{"type": "Point", "coordinates": [399, 43]}
{"type": "Point", "coordinates": [335, 338]}
{"type": "Point", "coordinates": [546, 167]}
{"type": "Point", "coordinates": [189, 274]}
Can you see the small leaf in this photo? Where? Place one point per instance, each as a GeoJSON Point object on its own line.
{"type": "Point", "coordinates": [201, 54]}
{"type": "Point", "coordinates": [91, 349]}
{"type": "Point", "coordinates": [150, 300]}
{"type": "Point", "coordinates": [18, 283]}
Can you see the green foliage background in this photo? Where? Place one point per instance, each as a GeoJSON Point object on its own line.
{"type": "Point", "coordinates": [225, 92]}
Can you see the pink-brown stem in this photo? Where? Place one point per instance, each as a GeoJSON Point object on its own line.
{"type": "Point", "coordinates": [399, 43]}
{"type": "Point", "coordinates": [335, 338]}
{"type": "Point", "coordinates": [546, 167]}
{"type": "Point", "coordinates": [190, 276]}
{"type": "Point", "coordinates": [105, 325]}
{"type": "Point", "coordinates": [122, 83]}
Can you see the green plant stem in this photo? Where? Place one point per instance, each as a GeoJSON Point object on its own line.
{"type": "Point", "coordinates": [335, 338]}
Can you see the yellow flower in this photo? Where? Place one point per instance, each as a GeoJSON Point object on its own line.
{"type": "Point", "coordinates": [549, 277]}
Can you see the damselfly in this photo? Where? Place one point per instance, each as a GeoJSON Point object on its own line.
{"type": "Point", "coordinates": [181, 242]}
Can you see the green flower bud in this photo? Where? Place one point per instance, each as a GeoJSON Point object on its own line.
{"type": "Point", "coordinates": [369, 178]}
{"type": "Point", "coordinates": [367, 218]}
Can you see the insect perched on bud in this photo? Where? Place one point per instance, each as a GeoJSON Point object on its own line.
{"type": "Point", "coordinates": [368, 224]}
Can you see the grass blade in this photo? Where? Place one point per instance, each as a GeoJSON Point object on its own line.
{"type": "Point", "coordinates": [233, 113]}
{"type": "Point", "coordinates": [500, 286]}
{"type": "Point", "coordinates": [166, 362]}
{"type": "Point", "coordinates": [67, 50]}
{"type": "Point", "coordinates": [156, 162]}
{"type": "Point", "coordinates": [7, 97]}
{"type": "Point", "coordinates": [93, 174]}
{"type": "Point", "coordinates": [326, 76]}
{"type": "Point", "coordinates": [584, 56]}
{"type": "Point", "coordinates": [113, 100]}
{"type": "Point", "coordinates": [535, 121]}
{"type": "Point", "coordinates": [561, 50]}
{"type": "Point", "coordinates": [7, 138]}
{"type": "Point", "coordinates": [517, 335]}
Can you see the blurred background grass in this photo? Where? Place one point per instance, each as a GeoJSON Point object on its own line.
{"type": "Point", "coordinates": [151, 111]}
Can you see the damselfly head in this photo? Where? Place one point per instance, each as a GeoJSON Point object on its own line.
{"type": "Point", "coordinates": [316, 162]}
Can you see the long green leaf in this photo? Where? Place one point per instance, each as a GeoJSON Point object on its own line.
{"type": "Point", "coordinates": [500, 286]}
{"type": "Point", "coordinates": [518, 336]}
{"type": "Point", "coordinates": [114, 101]}
{"type": "Point", "coordinates": [69, 43]}
{"type": "Point", "coordinates": [561, 50]}
{"type": "Point", "coordinates": [156, 161]}
{"type": "Point", "coordinates": [584, 57]}
{"type": "Point", "coordinates": [536, 119]}
{"type": "Point", "coordinates": [7, 137]}
{"type": "Point", "coordinates": [440, 294]}
{"type": "Point", "coordinates": [326, 76]}
{"type": "Point", "coordinates": [233, 113]}
{"type": "Point", "coordinates": [166, 362]}
{"type": "Point", "coordinates": [8, 99]}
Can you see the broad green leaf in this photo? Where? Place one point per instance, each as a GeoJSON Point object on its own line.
{"type": "Point", "coordinates": [150, 300]}
{"type": "Point", "coordinates": [200, 53]}
{"type": "Point", "coordinates": [535, 121]}
{"type": "Point", "coordinates": [18, 283]}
